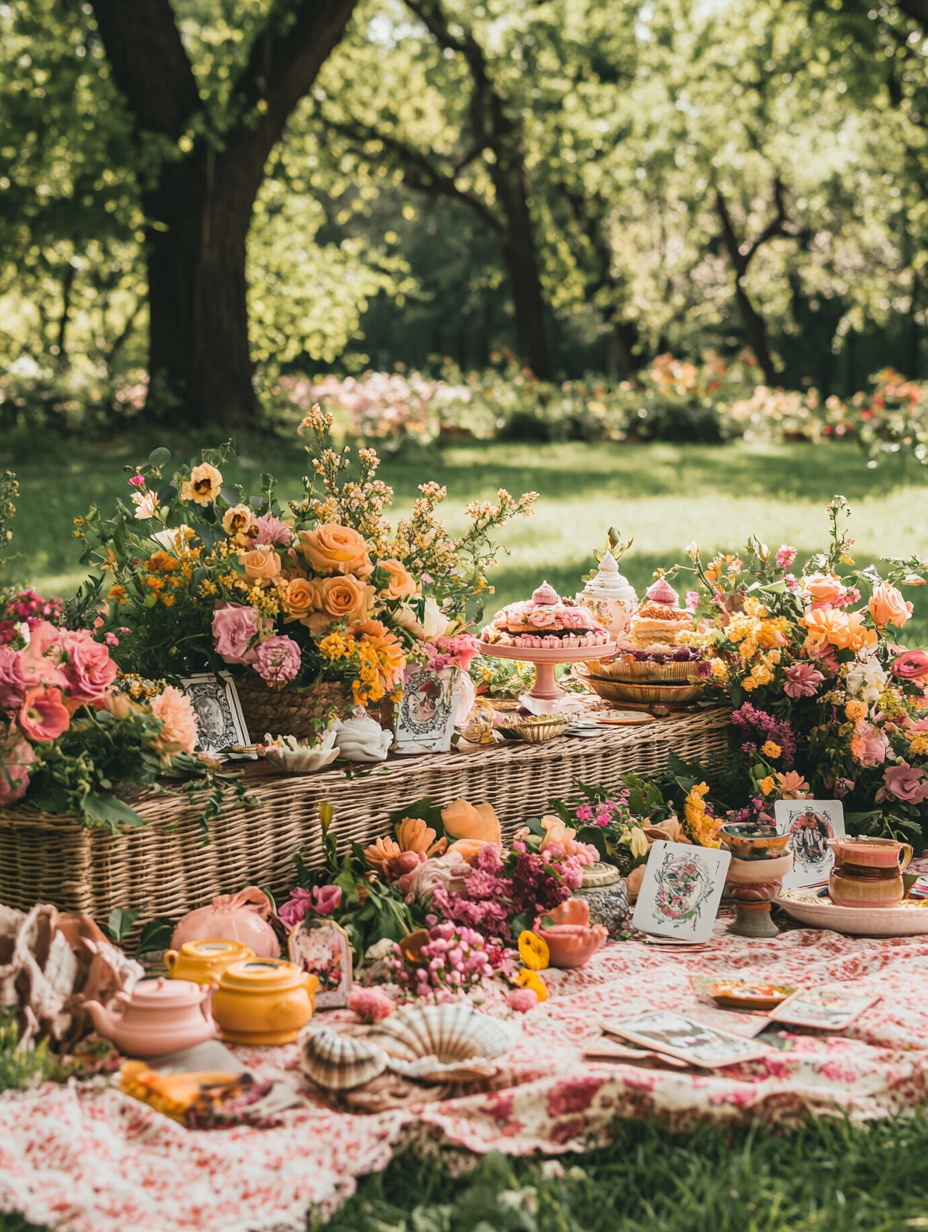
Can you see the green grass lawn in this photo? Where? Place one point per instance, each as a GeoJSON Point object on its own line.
{"type": "Point", "coordinates": [664, 495]}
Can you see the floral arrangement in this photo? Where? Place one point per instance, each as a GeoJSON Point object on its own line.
{"type": "Point", "coordinates": [442, 958]}
{"type": "Point", "coordinates": [74, 736]}
{"type": "Point", "coordinates": [825, 700]}
{"type": "Point", "coordinates": [321, 589]}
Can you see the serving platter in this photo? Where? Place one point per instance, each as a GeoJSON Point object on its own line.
{"type": "Point", "coordinates": [908, 920]}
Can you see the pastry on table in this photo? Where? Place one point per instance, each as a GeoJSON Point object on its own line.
{"type": "Point", "coordinates": [545, 622]}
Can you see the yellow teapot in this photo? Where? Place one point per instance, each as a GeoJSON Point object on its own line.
{"type": "Point", "coordinates": [203, 962]}
{"type": "Point", "coordinates": [264, 1001]}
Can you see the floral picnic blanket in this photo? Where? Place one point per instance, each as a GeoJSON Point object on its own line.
{"type": "Point", "coordinates": [85, 1157]}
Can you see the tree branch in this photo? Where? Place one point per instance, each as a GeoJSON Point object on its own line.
{"type": "Point", "coordinates": [916, 9]}
{"type": "Point", "coordinates": [149, 63]}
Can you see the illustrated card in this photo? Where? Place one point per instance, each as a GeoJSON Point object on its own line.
{"type": "Point", "coordinates": [687, 1039]}
{"type": "Point", "coordinates": [681, 891]}
{"type": "Point", "coordinates": [826, 1009]}
{"type": "Point", "coordinates": [220, 722]}
{"type": "Point", "coordinates": [810, 824]}
{"type": "Point", "coordinates": [322, 947]}
{"type": "Point", "coordinates": [425, 715]}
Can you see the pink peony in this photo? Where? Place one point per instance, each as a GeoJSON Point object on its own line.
{"type": "Point", "coordinates": [88, 667]}
{"type": "Point", "coordinates": [370, 1004]}
{"type": "Point", "coordinates": [521, 1000]}
{"type": "Point", "coordinates": [904, 783]}
{"type": "Point", "coordinates": [802, 680]}
{"type": "Point", "coordinates": [15, 678]}
{"type": "Point", "coordinates": [273, 530]}
{"type": "Point", "coordinates": [14, 775]}
{"type": "Point", "coordinates": [43, 715]}
{"type": "Point", "coordinates": [175, 710]}
{"type": "Point", "coordinates": [279, 660]}
{"type": "Point", "coordinates": [42, 656]}
{"type": "Point", "coordinates": [785, 556]}
{"type": "Point", "coordinates": [913, 665]}
{"type": "Point", "coordinates": [234, 628]}
{"type": "Point", "coordinates": [869, 744]}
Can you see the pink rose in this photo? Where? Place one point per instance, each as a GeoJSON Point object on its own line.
{"type": "Point", "coordinates": [869, 745]}
{"type": "Point", "coordinates": [902, 782]}
{"type": "Point", "coordinates": [88, 667]}
{"type": "Point", "coordinates": [14, 775]}
{"type": "Point", "coordinates": [7, 631]}
{"type": "Point", "coordinates": [824, 588]}
{"type": "Point", "coordinates": [802, 680]}
{"type": "Point", "coordinates": [785, 556]}
{"type": "Point", "coordinates": [327, 899]}
{"type": "Point", "coordinates": [234, 627]}
{"type": "Point", "coordinates": [43, 715]}
{"type": "Point", "coordinates": [278, 660]}
{"type": "Point", "coordinates": [15, 678]}
{"type": "Point", "coordinates": [295, 908]}
{"type": "Point", "coordinates": [42, 656]}
{"type": "Point", "coordinates": [913, 665]}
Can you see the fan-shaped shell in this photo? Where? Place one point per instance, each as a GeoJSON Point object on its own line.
{"type": "Point", "coordinates": [339, 1062]}
{"type": "Point", "coordinates": [453, 1043]}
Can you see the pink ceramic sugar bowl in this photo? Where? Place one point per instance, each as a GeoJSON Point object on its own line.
{"type": "Point", "coordinates": [232, 917]}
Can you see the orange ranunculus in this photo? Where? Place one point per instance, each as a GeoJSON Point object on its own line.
{"type": "Point", "coordinates": [824, 588]}
{"type": "Point", "coordinates": [827, 626]}
{"type": "Point", "coordinates": [402, 585]}
{"type": "Point", "coordinates": [299, 599]}
{"type": "Point", "coordinates": [388, 647]}
{"type": "Point", "coordinates": [336, 549]}
{"type": "Point", "coordinates": [261, 564]}
{"type": "Point", "coordinates": [203, 486]}
{"type": "Point", "coordinates": [462, 820]}
{"type": "Point", "coordinates": [887, 606]}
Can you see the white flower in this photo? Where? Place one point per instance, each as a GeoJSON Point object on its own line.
{"type": "Point", "coordinates": [146, 505]}
{"type": "Point", "coordinates": [866, 678]}
{"type": "Point", "coordinates": [435, 622]}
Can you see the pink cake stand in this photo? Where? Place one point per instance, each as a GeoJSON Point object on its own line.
{"type": "Point", "coordinates": [545, 695]}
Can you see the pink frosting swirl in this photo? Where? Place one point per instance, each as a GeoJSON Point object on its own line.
{"type": "Point", "coordinates": [661, 592]}
{"type": "Point", "coordinates": [547, 596]}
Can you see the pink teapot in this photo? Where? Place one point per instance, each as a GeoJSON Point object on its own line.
{"type": "Point", "coordinates": [570, 940]}
{"type": "Point", "coordinates": [232, 917]}
{"type": "Point", "coordinates": [159, 1016]}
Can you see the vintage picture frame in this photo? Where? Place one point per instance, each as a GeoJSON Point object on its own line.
{"type": "Point", "coordinates": [681, 891]}
{"type": "Point", "coordinates": [425, 713]}
{"type": "Point", "coordinates": [220, 721]}
{"type": "Point", "coordinates": [322, 947]}
{"type": "Point", "coordinates": [824, 1009]}
{"type": "Point", "coordinates": [686, 1038]}
{"type": "Point", "coordinates": [810, 823]}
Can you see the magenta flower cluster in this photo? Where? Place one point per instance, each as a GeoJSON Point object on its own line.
{"type": "Point", "coordinates": [29, 606]}
{"type": "Point", "coordinates": [454, 960]}
{"type": "Point", "coordinates": [758, 722]}
{"type": "Point", "coordinates": [607, 812]}
{"type": "Point", "coordinates": [454, 651]}
{"type": "Point", "coordinates": [501, 886]}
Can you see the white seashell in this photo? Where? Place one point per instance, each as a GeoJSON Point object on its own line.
{"type": "Point", "coordinates": [361, 738]}
{"type": "Point", "coordinates": [450, 1043]}
{"type": "Point", "coordinates": [339, 1062]}
{"type": "Point", "coordinates": [297, 758]}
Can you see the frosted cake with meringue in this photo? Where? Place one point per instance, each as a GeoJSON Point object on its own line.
{"type": "Point", "coordinates": [545, 622]}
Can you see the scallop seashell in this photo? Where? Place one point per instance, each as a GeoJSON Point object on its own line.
{"type": "Point", "coordinates": [452, 1042]}
{"type": "Point", "coordinates": [339, 1062]}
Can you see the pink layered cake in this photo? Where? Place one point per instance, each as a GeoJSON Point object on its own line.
{"type": "Point", "coordinates": [545, 622]}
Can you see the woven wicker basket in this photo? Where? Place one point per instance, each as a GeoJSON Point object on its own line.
{"type": "Point", "coordinates": [165, 869]}
{"type": "Point", "coordinates": [283, 713]}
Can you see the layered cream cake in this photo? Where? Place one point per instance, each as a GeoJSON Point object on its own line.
{"type": "Point", "coordinates": [656, 626]}
{"type": "Point", "coordinates": [545, 622]}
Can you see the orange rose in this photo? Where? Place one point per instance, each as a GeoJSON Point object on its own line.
{"type": "Point", "coordinates": [824, 587]}
{"type": "Point", "coordinates": [261, 564]}
{"type": "Point", "coordinates": [338, 598]}
{"type": "Point", "coordinates": [299, 599]}
{"type": "Point", "coordinates": [827, 625]}
{"type": "Point", "coordinates": [887, 606]}
{"type": "Point", "coordinates": [203, 486]}
{"type": "Point", "coordinates": [336, 549]}
{"type": "Point", "coordinates": [401, 584]}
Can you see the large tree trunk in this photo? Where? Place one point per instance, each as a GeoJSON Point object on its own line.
{"type": "Point", "coordinates": [520, 256]}
{"type": "Point", "coordinates": [199, 358]}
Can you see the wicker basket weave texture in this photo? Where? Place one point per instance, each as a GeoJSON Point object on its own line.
{"type": "Point", "coordinates": [166, 869]}
{"type": "Point", "coordinates": [283, 713]}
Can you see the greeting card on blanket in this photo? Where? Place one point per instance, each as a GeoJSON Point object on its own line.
{"type": "Point", "coordinates": [681, 891]}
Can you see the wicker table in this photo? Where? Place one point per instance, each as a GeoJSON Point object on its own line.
{"type": "Point", "coordinates": [166, 868]}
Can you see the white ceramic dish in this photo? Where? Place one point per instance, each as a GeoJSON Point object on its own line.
{"type": "Point", "coordinates": [907, 921]}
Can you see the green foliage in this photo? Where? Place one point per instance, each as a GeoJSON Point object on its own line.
{"type": "Point", "coordinates": [825, 1177]}
{"type": "Point", "coordinates": [9, 491]}
{"type": "Point", "coordinates": [20, 1068]}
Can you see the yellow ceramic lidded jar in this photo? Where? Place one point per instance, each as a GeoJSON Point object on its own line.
{"type": "Point", "coordinates": [203, 962]}
{"type": "Point", "coordinates": [264, 1001]}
